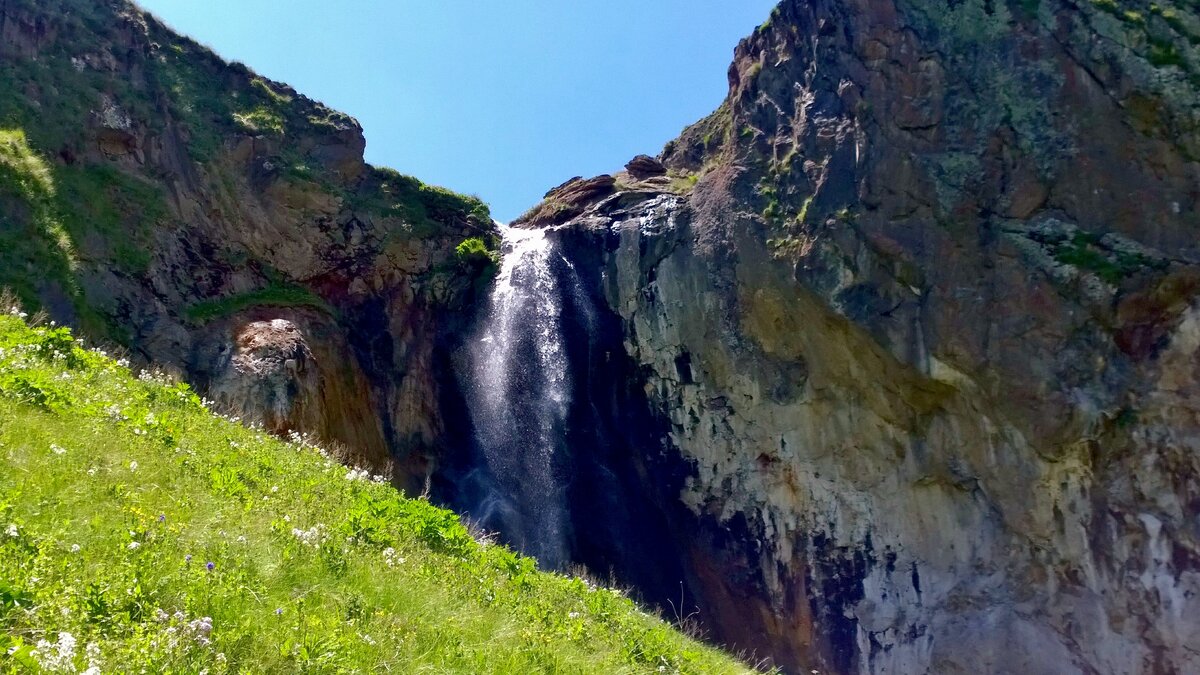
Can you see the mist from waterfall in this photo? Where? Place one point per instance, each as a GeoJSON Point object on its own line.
{"type": "Point", "coordinates": [519, 398]}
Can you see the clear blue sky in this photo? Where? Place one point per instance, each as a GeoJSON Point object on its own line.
{"type": "Point", "coordinates": [501, 98]}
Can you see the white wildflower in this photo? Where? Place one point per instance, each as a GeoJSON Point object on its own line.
{"type": "Point", "coordinates": [391, 558]}
{"type": "Point", "coordinates": [75, 548]}
{"type": "Point", "coordinates": [133, 466]}
{"type": "Point", "coordinates": [58, 657]}
{"type": "Point", "coordinates": [12, 530]}
{"type": "Point", "coordinates": [133, 545]}
{"type": "Point", "coordinates": [57, 449]}
{"type": "Point", "coordinates": [358, 474]}
{"type": "Point", "coordinates": [93, 658]}
{"type": "Point", "coordinates": [313, 536]}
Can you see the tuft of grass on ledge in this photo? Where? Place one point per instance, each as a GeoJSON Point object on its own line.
{"type": "Point", "coordinates": [274, 295]}
{"type": "Point", "coordinates": [139, 531]}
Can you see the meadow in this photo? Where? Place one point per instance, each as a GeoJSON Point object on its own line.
{"type": "Point", "coordinates": [142, 532]}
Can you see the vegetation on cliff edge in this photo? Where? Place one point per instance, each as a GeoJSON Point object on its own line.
{"type": "Point", "coordinates": [139, 529]}
{"type": "Point", "coordinates": [111, 125]}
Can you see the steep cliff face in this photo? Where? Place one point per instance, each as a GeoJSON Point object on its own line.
{"type": "Point", "coordinates": [918, 305]}
{"type": "Point", "coordinates": [225, 226]}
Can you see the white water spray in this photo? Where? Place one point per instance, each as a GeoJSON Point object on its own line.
{"type": "Point", "coordinates": [520, 396]}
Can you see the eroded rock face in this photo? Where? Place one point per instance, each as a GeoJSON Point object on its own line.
{"type": "Point", "coordinates": [268, 375]}
{"type": "Point", "coordinates": [924, 333]}
{"type": "Point", "coordinates": [264, 371]}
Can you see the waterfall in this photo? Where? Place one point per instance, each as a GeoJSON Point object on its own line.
{"type": "Point", "coordinates": [519, 398]}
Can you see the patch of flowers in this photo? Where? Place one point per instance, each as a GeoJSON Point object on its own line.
{"type": "Point", "coordinates": [313, 536]}
{"type": "Point", "coordinates": [391, 558]}
{"type": "Point", "coordinates": [56, 657]}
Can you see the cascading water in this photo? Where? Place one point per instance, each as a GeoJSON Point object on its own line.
{"type": "Point", "coordinates": [564, 459]}
{"type": "Point", "coordinates": [519, 399]}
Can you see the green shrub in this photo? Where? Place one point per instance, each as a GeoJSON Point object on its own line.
{"type": "Point", "coordinates": [1163, 53]}
{"type": "Point", "coordinates": [474, 249]}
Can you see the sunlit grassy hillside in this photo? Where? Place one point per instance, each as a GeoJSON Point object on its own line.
{"type": "Point", "coordinates": [141, 533]}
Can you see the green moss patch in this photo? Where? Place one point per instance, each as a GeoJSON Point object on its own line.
{"type": "Point", "coordinates": [275, 295]}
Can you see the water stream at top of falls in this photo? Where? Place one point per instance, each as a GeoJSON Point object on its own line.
{"type": "Point", "coordinates": [519, 398]}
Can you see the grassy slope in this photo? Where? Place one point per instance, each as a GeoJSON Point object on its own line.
{"type": "Point", "coordinates": [313, 570]}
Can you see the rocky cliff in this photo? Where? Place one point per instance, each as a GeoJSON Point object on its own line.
{"type": "Point", "coordinates": [891, 360]}
{"type": "Point", "coordinates": [917, 311]}
{"type": "Point", "coordinates": [226, 227]}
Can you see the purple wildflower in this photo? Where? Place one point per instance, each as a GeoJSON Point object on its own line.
{"type": "Point", "coordinates": [187, 558]}
{"type": "Point", "coordinates": [279, 612]}
{"type": "Point", "coordinates": [162, 518]}
{"type": "Point", "coordinates": [210, 566]}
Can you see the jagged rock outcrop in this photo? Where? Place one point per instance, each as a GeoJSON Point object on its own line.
{"type": "Point", "coordinates": [224, 225]}
{"type": "Point", "coordinates": [924, 333]}
{"type": "Point", "coordinates": [645, 166]}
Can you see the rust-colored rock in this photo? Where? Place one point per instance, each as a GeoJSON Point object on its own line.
{"type": "Point", "coordinates": [645, 166]}
{"type": "Point", "coordinates": [567, 201]}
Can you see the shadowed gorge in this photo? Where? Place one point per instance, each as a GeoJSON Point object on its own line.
{"type": "Point", "coordinates": [886, 366]}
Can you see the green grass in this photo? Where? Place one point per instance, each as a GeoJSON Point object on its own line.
{"type": "Point", "coordinates": [124, 210]}
{"type": "Point", "coordinates": [426, 208]}
{"type": "Point", "coordinates": [1084, 251]}
{"type": "Point", "coordinates": [261, 120]}
{"type": "Point", "coordinates": [117, 492]}
{"type": "Point", "coordinates": [275, 295]}
{"type": "Point", "coordinates": [34, 245]}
